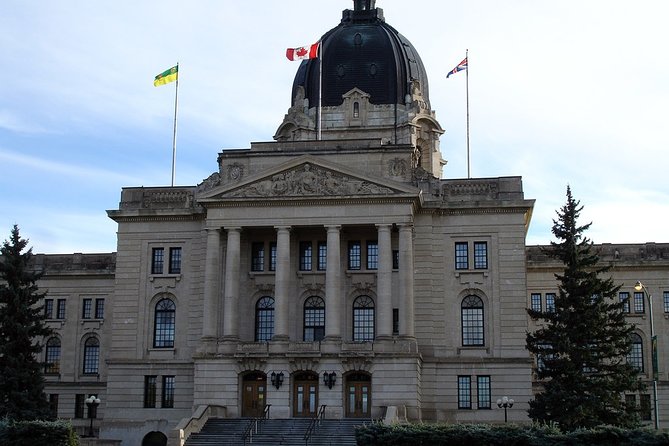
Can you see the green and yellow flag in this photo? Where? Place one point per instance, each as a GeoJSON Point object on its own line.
{"type": "Point", "coordinates": [167, 76]}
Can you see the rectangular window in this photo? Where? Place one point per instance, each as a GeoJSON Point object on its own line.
{"type": "Point", "coordinates": [464, 392]}
{"type": "Point", "coordinates": [272, 256]}
{"type": "Point", "coordinates": [536, 301]}
{"type": "Point", "coordinates": [87, 309]}
{"type": "Point", "coordinates": [396, 321]}
{"type": "Point", "coordinates": [639, 302]}
{"type": "Point", "coordinates": [48, 308]}
{"type": "Point", "coordinates": [480, 255]}
{"type": "Point", "coordinates": [322, 256]}
{"type": "Point", "coordinates": [665, 297]}
{"type": "Point", "coordinates": [461, 255]}
{"type": "Point", "coordinates": [630, 402]}
{"type": "Point", "coordinates": [61, 309]}
{"type": "Point", "coordinates": [550, 302]}
{"type": "Point", "coordinates": [157, 260]}
{"type": "Point", "coordinates": [168, 392]}
{"type": "Point", "coordinates": [354, 255]}
{"type": "Point", "coordinates": [624, 297]}
{"type": "Point", "coordinates": [396, 259]}
{"type": "Point", "coordinates": [257, 256]}
{"type": "Point", "coordinates": [306, 255]}
{"type": "Point", "coordinates": [372, 254]}
{"type": "Point", "coordinates": [175, 261]}
{"type": "Point", "coordinates": [150, 391]}
{"type": "Point", "coordinates": [99, 308]}
{"type": "Point", "coordinates": [79, 404]}
{"type": "Point", "coordinates": [53, 404]}
{"type": "Point", "coordinates": [483, 392]}
{"type": "Point", "coordinates": [645, 407]}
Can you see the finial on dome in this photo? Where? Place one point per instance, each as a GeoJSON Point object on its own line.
{"type": "Point", "coordinates": [364, 5]}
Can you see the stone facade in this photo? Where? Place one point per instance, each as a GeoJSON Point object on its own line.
{"type": "Point", "coordinates": [333, 266]}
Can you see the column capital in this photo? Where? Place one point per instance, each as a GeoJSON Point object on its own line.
{"type": "Point", "coordinates": [283, 228]}
{"type": "Point", "coordinates": [383, 226]}
{"type": "Point", "coordinates": [333, 227]}
{"type": "Point", "coordinates": [233, 228]}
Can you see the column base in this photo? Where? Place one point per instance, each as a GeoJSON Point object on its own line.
{"type": "Point", "coordinates": [208, 344]}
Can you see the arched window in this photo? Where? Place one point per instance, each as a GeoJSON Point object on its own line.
{"type": "Point", "coordinates": [91, 356]}
{"type": "Point", "coordinates": [52, 356]}
{"type": "Point", "coordinates": [264, 319]}
{"type": "Point", "coordinates": [314, 319]}
{"type": "Point", "coordinates": [163, 331]}
{"type": "Point", "coordinates": [363, 319]}
{"type": "Point", "coordinates": [472, 321]}
{"type": "Point", "coordinates": [356, 109]}
{"type": "Point", "coordinates": [635, 356]}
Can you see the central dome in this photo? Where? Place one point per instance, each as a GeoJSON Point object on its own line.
{"type": "Point", "coordinates": [362, 52]}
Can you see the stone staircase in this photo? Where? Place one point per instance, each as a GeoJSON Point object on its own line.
{"type": "Point", "coordinates": [289, 432]}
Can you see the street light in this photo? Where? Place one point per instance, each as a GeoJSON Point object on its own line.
{"type": "Point", "coordinates": [92, 402]}
{"type": "Point", "coordinates": [653, 342]}
{"type": "Point", "coordinates": [506, 403]}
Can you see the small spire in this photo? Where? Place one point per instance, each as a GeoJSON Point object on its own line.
{"type": "Point", "coordinates": [364, 5]}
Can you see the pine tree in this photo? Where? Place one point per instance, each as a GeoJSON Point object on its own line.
{"type": "Point", "coordinates": [582, 344]}
{"type": "Point", "coordinates": [21, 323]}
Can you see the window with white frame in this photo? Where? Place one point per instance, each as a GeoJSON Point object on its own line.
{"type": "Point", "coordinates": [635, 356]}
{"type": "Point", "coordinates": [91, 356]}
{"type": "Point", "coordinates": [164, 324]}
{"type": "Point", "coordinates": [624, 298]}
{"type": "Point", "coordinates": [472, 321]}
{"type": "Point", "coordinates": [464, 392]}
{"type": "Point", "coordinates": [535, 301]}
{"type": "Point", "coordinates": [264, 319]}
{"type": "Point", "coordinates": [363, 319]}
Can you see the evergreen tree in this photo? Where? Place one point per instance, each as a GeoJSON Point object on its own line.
{"type": "Point", "coordinates": [21, 322]}
{"type": "Point", "coordinates": [582, 344]}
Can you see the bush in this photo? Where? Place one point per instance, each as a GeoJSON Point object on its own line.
{"type": "Point", "coordinates": [32, 433]}
{"type": "Point", "coordinates": [505, 435]}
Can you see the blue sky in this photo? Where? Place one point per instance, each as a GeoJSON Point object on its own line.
{"type": "Point", "coordinates": [571, 92]}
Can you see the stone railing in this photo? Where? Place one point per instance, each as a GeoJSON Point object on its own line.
{"type": "Point", "coordinates": [194, 424]}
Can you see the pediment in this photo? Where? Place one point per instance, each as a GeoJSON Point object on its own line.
{"type": "Point", "coordinates": [309, 177]}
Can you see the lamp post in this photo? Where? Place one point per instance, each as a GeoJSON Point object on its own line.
{"type": "Point", "coordinates": [506, 403]}
{"type": "Point", "coordinates": [653, 343]}
{"type": "Point", "coordinates": [92, 402]}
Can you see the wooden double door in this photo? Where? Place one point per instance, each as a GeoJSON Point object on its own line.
{"type": "Point", "coordinates": [254, 392]}
{"type": "Point", "coordinates": [358, 395]}
{"type": "Point", "coordinates": [305, 394]}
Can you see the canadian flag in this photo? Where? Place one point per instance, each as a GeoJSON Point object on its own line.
{"type": "Point", "coordinates": [303, 52]}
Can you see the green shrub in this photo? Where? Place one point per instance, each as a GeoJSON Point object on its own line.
{"type": "Point", "coordinates": [503, 435]}
{"type": "Point", "coordinates": [32, 433]}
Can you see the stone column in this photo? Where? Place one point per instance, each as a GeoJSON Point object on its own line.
{"type": "Point", "coordinates": [282, 283]}
{"type": "Point", "coordinates": [406, 281]}
{"type": "Point", "coordinates": [384, 284]}
{"type": "Point", "coordinates": [231, 294]}
{"type": "Point", "coordinates": [333, 285]}
{"type": "Point", "coordinates": [211, 285]}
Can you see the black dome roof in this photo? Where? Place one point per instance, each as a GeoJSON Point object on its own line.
{"type": "Point", "coordinates": [364, 52]}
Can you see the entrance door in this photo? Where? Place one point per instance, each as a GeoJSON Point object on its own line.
{"type": "Point", "coordinates": [254, 386]}
{"type": "Point", "coordinates": [358, 395]}
{"type": "Point", "coordinates": [305, 394]}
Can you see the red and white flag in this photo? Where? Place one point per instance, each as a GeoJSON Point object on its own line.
{"type": "Point", "coordinates": [303, 52]}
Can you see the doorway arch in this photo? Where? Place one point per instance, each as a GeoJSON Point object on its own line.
{"type": "Point", "coordinates": [154, 438]}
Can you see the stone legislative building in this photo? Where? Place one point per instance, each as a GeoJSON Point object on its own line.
{"type": "Point", "coordinates": [332, 266]}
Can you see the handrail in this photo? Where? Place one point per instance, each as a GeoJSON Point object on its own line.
{"type": "Point", "coordinates": [255, 424]}
{"type": "Point", "coordinates": [315, 421]}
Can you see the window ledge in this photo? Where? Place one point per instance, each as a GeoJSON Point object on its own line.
{"type": "Point", "coordinates": [153, 277]}
{"type": "Point", "coordinates": [472, 348]}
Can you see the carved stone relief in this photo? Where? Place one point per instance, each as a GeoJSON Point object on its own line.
{"type": "Point", "coordinates": [309, 180]}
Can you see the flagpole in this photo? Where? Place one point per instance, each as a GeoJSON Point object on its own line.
{"type": "Point", "coordinates": [467, 88]}
{"type": "Point", "coordinates": [174, 134]}
{"type": "Point", "coordinates": [320, 89]}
